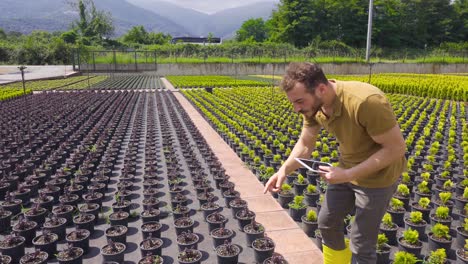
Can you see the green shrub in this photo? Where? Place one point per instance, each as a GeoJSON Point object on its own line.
{"type": "Point", "coordinates": [411, 236]}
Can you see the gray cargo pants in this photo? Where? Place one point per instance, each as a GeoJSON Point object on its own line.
{"type": "Point", "coordinates": [370, 205]}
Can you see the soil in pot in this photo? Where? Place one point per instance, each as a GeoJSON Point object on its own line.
{"type": "Point", "coordinates": [13, 246]}
{"type": "Point", "coordinates": [189, 256]}
{"type": "Point", "coordinates": [70, 255]}
{"type": "Point", "coordinates": [187, 240]}
{"type": "Point", "coordinates": [37, 257]}
{"type": "Point", "coordinates": [113, 251]}
{"type": "Point", "coordinates": [117, 233]}
{"type": "Point", "coordinates": [152, 229]}
{"type": "Point", "coordinates": [46, 242]}
{"type": "Point", "coordinates": [79, 238]}
{"type": "Point", "coordinates": [152, 259]}
{"type": "Point", "coordinates": [228, 253]}
{"type": "Point", "coordinates": [263, 248]}
{"type": "Point", "coordinates": [220, 235]}
{"type": "Point", "coordinates": [151, 246]}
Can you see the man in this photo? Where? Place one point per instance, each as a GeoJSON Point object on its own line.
{"type": "Point", "coordinates": [371, 150]}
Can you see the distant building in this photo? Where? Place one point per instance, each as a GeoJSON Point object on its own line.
{"type": "Point", "coordinates": [196, 40]}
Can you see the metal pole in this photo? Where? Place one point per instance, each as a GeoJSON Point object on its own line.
{"type": "Point", "coordinates": [22, 68]}
{"type": "Point", "coordinates": [369, 30]}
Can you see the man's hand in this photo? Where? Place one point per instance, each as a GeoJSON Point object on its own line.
{"type": "Point", "coordinates": [335, 175]}
{"type": "Point", "coordinates": [274, 183]}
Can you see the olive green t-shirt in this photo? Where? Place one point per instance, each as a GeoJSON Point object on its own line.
{"type": "Point", "coordinates": [360, 111]}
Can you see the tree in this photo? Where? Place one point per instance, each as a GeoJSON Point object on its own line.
{"type": "Point", "coordinates": [137, 35]}
{"type": "Point", "coordinates": [93, 25]}
{"type": "Point", "coordinates": [2, 34]}
{"type": "Point", "coordinates": [254, 29]}
{"type": "Point", "coordinates": [159, 38]}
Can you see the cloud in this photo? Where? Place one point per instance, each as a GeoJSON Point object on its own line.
{"type": "Point", "coordinates": [212, 6]}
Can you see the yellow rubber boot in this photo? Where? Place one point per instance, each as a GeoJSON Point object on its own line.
{"type": "Point", "coordinates": [331, 256]}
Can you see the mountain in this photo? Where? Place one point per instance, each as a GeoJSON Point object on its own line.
{"type": "Point", "coordinates": [155, 15]}
{"type": "Point", "coordinates": [222, 24]}
{"type": "Point", "coordinates": [54, 15]}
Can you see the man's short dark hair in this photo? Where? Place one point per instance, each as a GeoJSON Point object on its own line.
{"type": "Point", "coordinates": [309, 74]}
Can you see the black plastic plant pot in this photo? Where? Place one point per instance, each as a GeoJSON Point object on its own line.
{"type": "Point", "coordinates": [115, 253]}
{"type": "Point", "coordinates": [152, 259]}
{"type": "Point", "coordinates": [91, 208]}
{"type": "Point", "coordinates": [215, 220]}
{"type": "Point", "coordinates": [14, 206]}
{"type": "Point", "coordinates": [151, 246]}
{"type": "Point", "coordinates": [27, 229]}
{"type": "Point", "coordinates": [263, 248]}
{"type": "Point", "coordinates": [46, 243]}
{"type": "Point", "coordinates": [383, 255]}
{"type": "Point", "coordinates": [296, 214]}
{"type": "Point", "coordinates": [4, 259]}
{"type": "Point", "coordinates": [152, 229]}
{"type": "Point", "coordinates": [220, 235]}
{"type": "Point", "coordinates": [119, 218]}
{"type": "Point", "coordinates": [236, 205]}
{"type": "Point", "coordinates": [117, 233]}
{"type": "Point", "coordinates": [5, 220]}
{"type": "Point", "coordinates": [150, 215]}
{"type": "Point", "coordinates": [190, 256]}
{"type": "Point", "coordinates": [180, 212]}
{"type": "Point", "coordinates": [38, 257]}
{"type": "Point", "coordinates": [434, 243]}
{"type": "Point", "coordinates": [187, 240]}
{"type": "Point", "coordinates": [462, 256]}
{"type": "Point", "coordinates": [13, 247]}
{"type": "Point", "coordinates": [183, 224]}
{"type": "Point", "coordinates": [37, 216]}
{"type": "Point", "coordinates": [209, 208]}
{"type": "Point", "coordinates": [253, 233]}
{"type": "Point", "coordinates": [73, 255]}
{"type": "Point", "coordinates": [84, 221]}
{"type": "Point", "coordinates": [275, 259]}
{"type": "Point", "coordinates": [57, 226]}
{"type": "Point", "coordinates": [64, 211]}
{"type": "Point", "coordinates": [228, 253]}
{"type": "Point", "coordinates": [46, 203]}
{"type": "Point", "coordinates": [413, 249]}
{"type": "Point", "coordinates": [309, 227]}
{"type": "Point", "coordinates": [79, 238]}
{"type": "Point", "coordinates": [285, 199]}
{"type": "Point", "coordinates": [244, 217]}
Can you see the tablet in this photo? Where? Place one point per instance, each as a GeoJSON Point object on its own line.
{"type": "Point", "coordinates": [312, 165]}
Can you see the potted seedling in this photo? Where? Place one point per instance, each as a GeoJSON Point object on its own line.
{"type": "Point", "coordinates": [445, 200]}
{"type": "Point", "coordinates": [64, 211]}
{"type": "Point", "coordinates": [300, 183]}
{"type": "Point", "coordinates": [46, 242]}
{"type": "Point", "coordinates": [423, 190]}
{"type": "Point", "coordinates": [117, 233]}
{"type": "Point", "coordinates": [152, 229]}
{"type": "Point", "coordinates": [189, 256]}
{"type": "Point", "coordinates": [438, 256]}
{"type": "Point", "coordinates": [244, 217]}
{"type": "Point", "coordinates": [403, 257]}
{"type": "Point", "coordinates": [36, 214]}
{"type": "Point", "coordinates": [397, 210]}
{"type": "Point", "coordinates": [263, 248]}
{"type": "Point", "coordinates": [113, 251]}
{"type": "Point", "coordinates": [187, 240]}
{"type": "Point", "coordinates": [209, 208]}
{"type": "Point", "coordinates": [11, 204]}
{"type": "Point", "coordinates": [462, 232]}
{"type": "Point", "coordinates": [311, 195]}
{"type": "Point", "coordinates": [84, 221]}
{"type": "Point", "coordinates": [410, 242]}
{"type": "Point", "coordinates": [253, 230]}
{"type": "Point", "coordinates": [462, 253]}
{"type": "Point", "coordinates": [183, 224]}
{"type": "Point", "coordinates": [119, 218]}
{"type": "Point", "coordinates": [26, 229]}
{"type": "Point", "coordinates": [415, 221]}
{"type": "Point", "coordinates": [221, 234]}
{"type": "Point", "coordinates": [228, 253]}
{"type": "Point", "coordinates": [180, 211]}
{"type": "Point", "coordinates": [442, 215]}
{"type": "Point", "coordinates": [389, 229]}
{"type": "Point", "coordinates": [151, 259]}
{"type": "Point", "coordinates": [70, 255]}
{"type": "Point", "coordinates": [382, 249]}
{"type": "Point", "coordinates": [36, 257]}
{"type": "Point", "coordinates": [309, 223]}
{"type": "Point", "coordinates": [285, 195]}
{"type": "Point", "coordinates": [403, 194]}
{"type": "Point", "coordinates": [236, 205]}
{"type": "Point", "coordinates": [150, 215]}
{"type": "Point", "coordinates": [151, 246]}
{"type": "Point", "coordinates": [461, 200]}
{"type": "Point", "coordinates": [13, 246]}
{"type": "Point", "coordinates": [439, 237]}
{"type": "Point", "coordinates": [275, 259]}
{"type": "Point", "coordinates": [79, 238]}
{"type": "Point", "coordinates": [90, 208]}
{"type": "Point", "coordinates": [297, 208]}
{"type": "Point", "coordinates": [423, 206]}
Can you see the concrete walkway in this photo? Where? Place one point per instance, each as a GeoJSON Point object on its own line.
{"type": "Point", "coordinates": [11, 73]}
{"type": "Point", "coordinates": [291, 241]}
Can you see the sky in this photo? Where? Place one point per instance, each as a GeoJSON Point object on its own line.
{"type": "Point", "coordinates": [212, 6]}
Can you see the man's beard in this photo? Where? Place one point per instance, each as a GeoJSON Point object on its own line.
{"type": "Point", "coordinates": [314, 109]}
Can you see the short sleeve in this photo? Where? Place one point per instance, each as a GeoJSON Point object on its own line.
{"type": "Point", "coordinates": [376, 115]}
{"type": "Point", "coordinates": [309, 122]}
